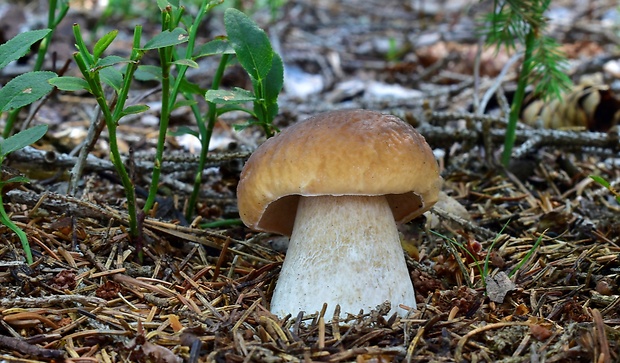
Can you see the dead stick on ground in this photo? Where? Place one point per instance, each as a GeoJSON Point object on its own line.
{"type": "Point", "coordinates": [30, 349]}
{"type": "Point", "coordinates": [29, 302]}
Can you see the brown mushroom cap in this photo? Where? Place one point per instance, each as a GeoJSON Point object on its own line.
{"type": "Point", "coordinates": [349, 152]}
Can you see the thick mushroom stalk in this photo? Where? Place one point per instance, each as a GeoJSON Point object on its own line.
{"type": "Point", "coordinates": [343, 250]}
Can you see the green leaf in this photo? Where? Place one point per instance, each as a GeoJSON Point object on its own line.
{"type": "Point", "coordinates": [167, 38]}
{"type": "Point", "coordinates": [133, 109]}
{"type": "Point", "coordinates": [147, 73]}
{"type": "Point", "coordinates": [216, 46]}
{"type": "Point", "coordinates": [273, 87]}
{"type": "Point", "coordinates": [67, 83]}
{"type": "Point", "coordinates": [19, 45]}
{"type": "Point", "coordinates": [250, 43]}
{"type": "Point", "coordinates": [112, 77]}
{"type": "Point", "coordinates": [183, 103]}
{"type": "Point", "coordinates": [108, 61]}
{"type": "Point", "coordinates": [600, 180]}
{"type": "Point", "coordinates": [15, 179]}
{"type": "Point", "coordinates": [230, 108]}
{"type": "Point", "coordinates": [236, 95]}
{"type": "Point", "coordinates": [186, 62]}
{"type": "Point", "coordinates": [25, 89]}
{"type": "Point", "coordinates": [103, 43]}
{"type": "Point", "coordinates": [190, 87]}
{"type": "Point", "coordinates": [22, 139]}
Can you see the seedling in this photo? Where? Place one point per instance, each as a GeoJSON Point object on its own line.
{"type": "Point", "coordinates": [245, 40]}
{"type": "Point", "coordinates": [543, 64]}
{"type": "Point", "coordinates": [602, 181]}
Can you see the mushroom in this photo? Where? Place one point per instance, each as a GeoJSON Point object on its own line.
{"type": "Point", "coordinates": [337, 183]}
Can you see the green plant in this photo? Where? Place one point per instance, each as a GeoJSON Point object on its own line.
{"type": "Point", "coordinates": [543, 64]}
{"type": "Point", "coordinates": [245, 40]}
{"type": "Point", "coordinates": [7, 146]}
{"type": "Point", "coordinates": [98, 71]}
{"type": "Point", "coordinates": [253, 50]}
{"type": "Point", "coordinates": [264, 66]}
{"type": "Point", "coordinates": [602, 181]}
{"type": "Point", "coordinates": [56, 12]}
{"type": "Point", "coordinates": [17, 93]}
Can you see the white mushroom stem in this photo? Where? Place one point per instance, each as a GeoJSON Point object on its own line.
{"type": "Point", "coordinates": [343, 250]}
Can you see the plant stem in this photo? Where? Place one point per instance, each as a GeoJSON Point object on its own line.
{"type": "Point", "coordinates": [4, 218]}
{"type": "Point", "coordinates": [517, 101]}
{"type": "Point", "coordinates": [169, 98]}
{"type": "Point", "coordinates": [222, 223]}
{"type": "Point", "coordinates": [205, 137]}
{"type": "Point", "coordinates": [110, 118]}
{"type": "Point", "coordinates": [165, 58]}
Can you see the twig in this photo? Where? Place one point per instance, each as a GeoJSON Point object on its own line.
{"type": "Point", "coordinates": [30, 349]}
{"type": "Point", "coordinates": [568, 140]}
{"type": "Point", "coordinates": [172, 163]}
{"type": "Point", "coordinates": [31, 302]}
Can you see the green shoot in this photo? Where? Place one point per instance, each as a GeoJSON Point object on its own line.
{"type": "Point", "coordinates": [263, 65]}
{"type": "Point", "coordinates": [543, 64]}
{"type": "Point", "coordinates": [602, 181]}
{"type": "Point", "coordinates": [245, 40]}
{"type": "Point", "coordinates": [96, 72]}
{"type": "Point", "coordinates": [529, 255]}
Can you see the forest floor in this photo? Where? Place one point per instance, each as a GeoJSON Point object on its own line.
{"type": "Point", "coordinates": [549, 234]}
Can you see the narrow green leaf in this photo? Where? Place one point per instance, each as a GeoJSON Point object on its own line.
{"type": "Point", "coordinates": [67, 83]}
{"type": "Point", "coordinates": [216, 46]}
{"type": "Point", "coordinates": [86, 57]}
{"type": "Point", "coordinates": [186, 62]}
{"type": "Point", "coordinates": [250, 43]}
{"type": "Point", "coordinates": [22, 139]}
{"type": "Point", "coordinates": [600, 180]}
{"type": "Point", "coordinates": [147, 73]}
{"type": "Point", "coordinates": [15, 179]}
{"type": "Point", "coordinates": [112, 77]}
{"type": "Point", "coordinates": [183, 103]}
{"type": "Point", "coordinates": [19, 45]}
{"type": "Point", "coordinates": [108, 61]}
{"type": "Point", "coordinates": [133, 109]}
{"type": "Point", "coordinates": [167, 38]}
{"type": "Point", "coordinates": [103, 44]}
{"type": "Point", "coordinates": [25, 89]}
{"type": "Point", "coordinates": [273, 86]}
{"type": "Point", "coordinates": [233, 96]}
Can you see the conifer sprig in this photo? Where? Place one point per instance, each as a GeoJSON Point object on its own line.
{"type": "Point", "coordinates": [523, 22]}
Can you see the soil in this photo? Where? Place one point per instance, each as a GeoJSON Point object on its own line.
{"type": "Point", "coordinates": [524, 267]}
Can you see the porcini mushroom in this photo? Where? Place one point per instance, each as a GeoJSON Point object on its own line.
{"type": "Point", "coordinates": [337, 183]}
